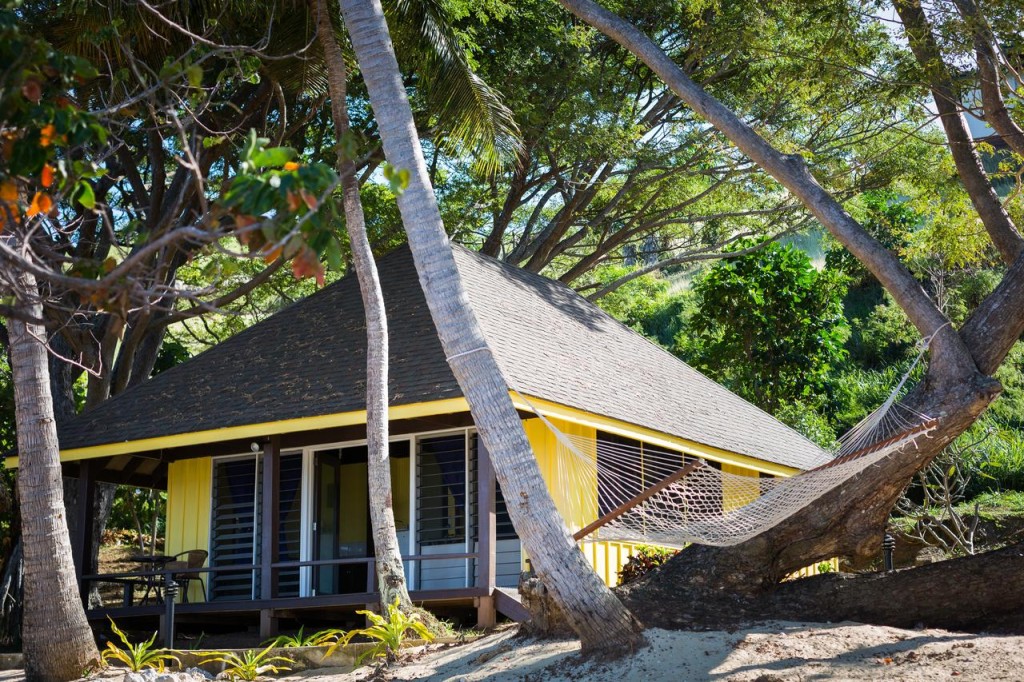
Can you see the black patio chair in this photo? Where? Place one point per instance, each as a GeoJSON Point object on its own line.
{"type": "Point", "coordinates": [187, 570]}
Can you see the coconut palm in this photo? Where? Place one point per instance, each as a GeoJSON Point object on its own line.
{"type": "Point", "coordinates": [601, 621]}
{"type": "Point", "coordinates": [56, 637]}
{"type": "Point", "coordinates": [389, 569]}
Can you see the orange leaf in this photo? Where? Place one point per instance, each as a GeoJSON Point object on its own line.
{"type": "Point", "coordinates": [46, 135]}
{"type": "Point", "coordinates": [306, 264]}
{"type": "Point", "coordinates": [291, 166]}
{"type": "Point", "coordinates": [32, 91]}
{"type": "Point", "coordinates": [310, 200]}
{"type": "Point", "coordinates": [8, 192]}
{"type": "Point", "coordinates": [47, 176]}
{"type": "Point", "coordinates": [8, 203]}
{"type": "Point", "coordinates": [294, 202]}
{"type": "Point", "coordinates": [41, 203]}
{"type": "Point", "coordinates": [271, 255]}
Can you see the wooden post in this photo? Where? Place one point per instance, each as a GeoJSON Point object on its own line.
{"type": "Point", "coordinates": [269, 540]}
{"type": "Point", "coordinates": [486, 562]}
{"type": "Point", "coordinates": [268, 623]}
{"type": "Point", "coordinates": [270, 517]}
{"type": "Point", "coordinates": [81, 549]}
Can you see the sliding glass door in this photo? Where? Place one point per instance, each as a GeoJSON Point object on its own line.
{"type": "Point", "coordinates": [235, 528]}
{"type": "Point", "coordinates": [341, 525]}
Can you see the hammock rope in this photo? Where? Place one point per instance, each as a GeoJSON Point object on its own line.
{"type": "Point", "coordinates": [637, 492]}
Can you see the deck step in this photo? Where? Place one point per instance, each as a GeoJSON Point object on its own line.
{"type": "Point", "coordinates": [508, 603]}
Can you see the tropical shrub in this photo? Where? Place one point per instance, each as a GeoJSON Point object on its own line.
{"type": "Point", "coordinates": [768, 325]}
{"type": "Point", "coordinates": [300, 639]}
{"type": "Point", "coordinates": [644, 560]}
{"type": "Point", "coordinates": [249, 664]}
{"type": "Point", "coordinates": [138, 656]}
{"type": "Point", "coordinates": [388, 633]}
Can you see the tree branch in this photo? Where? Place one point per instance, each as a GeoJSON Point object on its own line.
{"type": "Point", "coordinates": [996, 113]}
{"type": "Point", "coordinates": [688, 257]}
{"type": "Point", "coordinates": [791, 172]}
{"type": "Point", "coordinates": [986, 202]}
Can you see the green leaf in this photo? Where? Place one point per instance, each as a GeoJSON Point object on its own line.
{"type": "Point", "coordinates": [194, 74]}
{"type": "Point", "coordinates": [85, 196]}
{"type": "Point", "coordinates": [274, 156]}
{"type": "Point", "coordinates": [333, 253]}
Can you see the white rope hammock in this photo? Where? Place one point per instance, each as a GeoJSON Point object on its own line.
{"type": "Point", "coordinates": [646, 494]}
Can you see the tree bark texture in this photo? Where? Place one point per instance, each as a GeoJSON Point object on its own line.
{"type": "Point", "coordinates": [601, 621]}
{"type": "Point", "coordinates": [58, 643]}
{"type": "Point", "coordinates": [388, 555]}
{"type": "Point", "coordinates": [978, 593]}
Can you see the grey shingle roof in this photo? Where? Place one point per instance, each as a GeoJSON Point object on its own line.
{"type": "Point", "coordinates": [309, 360]}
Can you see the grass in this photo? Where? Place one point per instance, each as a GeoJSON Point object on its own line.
{"type": "Point", "coordinates": [991, 505]}
{"type": "Point", "coordinates": [1001, 503]}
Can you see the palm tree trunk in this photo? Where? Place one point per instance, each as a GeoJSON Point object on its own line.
{"type": "Point", "coordinates": [600, 619]}
{"type": "Point", "coordinates": [57, 641]}
{"type": "Point", "coordinates": [390, 572]}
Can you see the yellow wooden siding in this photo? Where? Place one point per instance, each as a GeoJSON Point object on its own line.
{"type": "Point", "coordinates": [574, 490]}
{"type": "Point", "coordinates": [573, 487]}
{"type": "Point", "coordinates": [608, 558]}
{"type": "Point", "coordinates": [558, 414]}
{"type": "Point", "coordinates": [189, 495]}
{"type": "Point", "coordinates": [734, 493]}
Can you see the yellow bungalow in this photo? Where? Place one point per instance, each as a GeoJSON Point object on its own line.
{"type": "Point", "coordinates": [259, 443]}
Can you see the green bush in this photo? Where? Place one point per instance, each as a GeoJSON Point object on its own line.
{"type": "Point", "coordinates": [646, 559]}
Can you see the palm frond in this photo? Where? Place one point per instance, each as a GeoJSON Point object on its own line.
{"type": "Point", "coordinates": [472, 119]}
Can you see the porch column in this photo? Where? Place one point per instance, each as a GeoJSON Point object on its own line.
{"type": "Point", "coordinates": [486, 567]}
{"type": "Point", "coordinates": [269, 533]}
{"type": "Point", "coordinates": [81, 547]}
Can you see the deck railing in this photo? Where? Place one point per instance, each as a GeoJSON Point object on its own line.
{"type": "Point", "coordinates": [142, 591]}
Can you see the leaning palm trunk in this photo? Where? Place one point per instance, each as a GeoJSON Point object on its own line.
{"type": "Point", "coordinates": [57, 641]}
{"type": "Point", "coordinates": [390, 572]}
{"type": "Point", "coordinates": [599, 618]}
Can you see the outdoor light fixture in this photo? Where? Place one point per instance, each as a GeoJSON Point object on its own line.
{"type": "Point", "coordinates": [254, 446]}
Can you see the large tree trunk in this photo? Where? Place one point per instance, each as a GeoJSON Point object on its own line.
{"type": "Point", "coordinates": [975, 593]}
{"type": "Point", "coordinates": [58, 643]}
{"type": "Point", "coordinates": [593, 611]}
{"type": "Point", "coordinates": [389, 569]}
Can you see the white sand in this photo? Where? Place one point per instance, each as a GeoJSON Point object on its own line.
{"type": "Point", "coordinates": [773, 652]}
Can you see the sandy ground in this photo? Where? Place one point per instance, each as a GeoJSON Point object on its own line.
{"type": "Point", "coordinates": [774, 652]}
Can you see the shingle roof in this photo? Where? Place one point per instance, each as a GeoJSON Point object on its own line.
{"type": "Point", "coordinates": [309, 360]}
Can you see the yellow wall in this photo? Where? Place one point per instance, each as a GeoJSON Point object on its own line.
{"type": "Point", "coordinates": [189, 496]}
{"type": "Point", "coordinates": [574, 490]}
{"type": "Point", "coordinates": [736, 494]}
